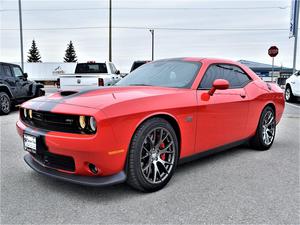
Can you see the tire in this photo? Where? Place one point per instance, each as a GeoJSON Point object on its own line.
{"type": "Point", "coordinates": [5, 104]}
{"type": "Point", "coordinates": [153, 155]}
{"type": "Point", "coordinates": [288, 94]}
{"type": "Point", "coordinates": [266, 130]}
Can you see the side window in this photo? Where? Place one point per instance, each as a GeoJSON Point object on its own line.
{"type": "Point", "coordinates": [7, 71]}
{"type": "Point", "coordinates": [17, 71]}
{"type": "Point", "coordinates": [211, 74]}
{"type": "Point", "coordinates": [229, 75]}
{"type": "Point", "coordinates": [234, 75]}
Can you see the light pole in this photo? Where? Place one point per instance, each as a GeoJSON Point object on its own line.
{"type": "Point", "coordinates": [21, 34]}
{"type": "Point", "coordinates": [109, 34]}
{"type": "Point", "coordinates": [297, 5]}
{"type": "Point", "coordinates": [152, 40]}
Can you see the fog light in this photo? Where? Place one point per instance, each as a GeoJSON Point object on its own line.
{"type": "Point", "coordinates": [93, 168]}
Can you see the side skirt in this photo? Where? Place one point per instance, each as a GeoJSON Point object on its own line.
{"type": "Point", "coordinates": [212, 151]}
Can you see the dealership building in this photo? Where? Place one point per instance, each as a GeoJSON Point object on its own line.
{"type": "Point", "coordinates": [265, 71]}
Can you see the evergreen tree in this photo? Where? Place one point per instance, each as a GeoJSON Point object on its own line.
{"type": "Point", "coordinates": [70, 55]}
{"type": "Point", "coordinates": [33, 54]}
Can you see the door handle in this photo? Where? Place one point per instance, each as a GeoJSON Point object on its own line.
{"type": "Point", "coordinates": [243, 95]}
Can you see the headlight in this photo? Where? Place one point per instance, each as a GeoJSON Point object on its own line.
{"type": "Point", "coordinates": [93, 124]}
{"type": "Point", "coordinates": [87, 124]}
{"type": "Point", "coordinates": [82, 122]}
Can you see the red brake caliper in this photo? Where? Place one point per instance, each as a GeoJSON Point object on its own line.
{"type": "Point", "coordinates": [162, 146]}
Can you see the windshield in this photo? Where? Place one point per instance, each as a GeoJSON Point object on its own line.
{"type": "Point", "coordinates": [164, 73]}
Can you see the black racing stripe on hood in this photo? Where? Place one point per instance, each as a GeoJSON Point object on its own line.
{"type": "Point", "coordinates": [49, 105]}
{"type": "Point", "coordinates": [82, 92]}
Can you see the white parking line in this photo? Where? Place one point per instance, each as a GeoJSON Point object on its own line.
{"type": "Point", "coordinates": [293, 105]}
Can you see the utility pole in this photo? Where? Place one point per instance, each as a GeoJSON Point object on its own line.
{"type": "Point", "coordinates": [21, 35]}
{"type": "Point", "coordinates": [109, 34]}
{"type": "Point", "coordinates": [296, 34]}
{"type": "Point", "coordinates": [152, 40]}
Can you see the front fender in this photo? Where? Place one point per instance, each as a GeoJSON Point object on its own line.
{"type": "Point", "coordinates": [35, 87]}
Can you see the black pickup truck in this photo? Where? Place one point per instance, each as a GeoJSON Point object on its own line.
{"type": "Point", "coordinates": [15, 88]}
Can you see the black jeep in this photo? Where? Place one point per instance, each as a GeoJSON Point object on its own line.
{"type": "Point", "coordinates": [15, 88]}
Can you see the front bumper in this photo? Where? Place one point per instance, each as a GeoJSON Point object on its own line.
{"type": "Point", "coordinates": [72, 153]}
{"type": "Point", "coordinates": [83, 180]}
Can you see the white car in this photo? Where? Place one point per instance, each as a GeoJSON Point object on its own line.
{"type": "Point", "coordinates": [90, 74]}
{"type": "Point", "coordinates": [292, 87]}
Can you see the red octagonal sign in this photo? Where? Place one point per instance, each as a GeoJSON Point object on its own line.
{"type": "Point", "coordinates": [273, 51]}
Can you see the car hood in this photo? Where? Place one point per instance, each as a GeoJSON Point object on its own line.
{"type": "Point", "coordinates": [102, 97]}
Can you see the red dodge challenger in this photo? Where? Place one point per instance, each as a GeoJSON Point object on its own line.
{"type": "Point", "coordinates": [164, 113]}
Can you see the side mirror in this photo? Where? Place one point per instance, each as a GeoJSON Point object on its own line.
{"type": "Point", "coordinates": [218, 84]}
{"type": "Point", "coordinates": [25, 75]}
{"type": "Point", "coordinates": [117, 72]}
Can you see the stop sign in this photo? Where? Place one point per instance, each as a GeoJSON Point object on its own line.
{"type": "Point", "coordinates": [273, 51]}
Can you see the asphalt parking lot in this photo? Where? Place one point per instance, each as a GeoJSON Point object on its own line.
{"type": "Point", "coordinates": [236, 187]}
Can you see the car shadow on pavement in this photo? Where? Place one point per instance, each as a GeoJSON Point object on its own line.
{"type": "Point", "coordinates": [123, 191]}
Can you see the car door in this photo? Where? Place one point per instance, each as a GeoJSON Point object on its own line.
{"type": "Point", "coordinates": [222, 118]}
{"type": "Point", "coordinates": [10, 80]}
{"type": "Point", "coordinates": [21, 82]}
{"type": "Point", "coordinates": [296, 84]}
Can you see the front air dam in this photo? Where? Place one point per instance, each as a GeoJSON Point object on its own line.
{"type": "Point", "coordinates": [95, 181]}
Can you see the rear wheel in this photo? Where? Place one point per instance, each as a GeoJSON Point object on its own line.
{"type": "Point", "coordinates": [153, 155]}
{"type": "Point", "coordinates": [5, 104]}
{"type": "Point", "coordinates": [289, 97]}
{"type": "Point", "coordinates": [265, 133]}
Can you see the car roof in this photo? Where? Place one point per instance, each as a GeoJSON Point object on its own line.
{"type": "Point", "coordinates": [9, 64]}
{"type": "Point", "coordinates": [211, 60]}
{"type": "Point", "coordinates": [204, 60]}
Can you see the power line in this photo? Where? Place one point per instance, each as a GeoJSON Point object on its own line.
{"type": "Point", "coordinates": [147, 28]}
{"type": "Point", "coordinates": [151, 8]}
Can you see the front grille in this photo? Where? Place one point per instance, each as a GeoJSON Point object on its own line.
{"type": "Point", "coordinates": [52, 121]}
{"type": "Point", "coordinates": [55, 161]}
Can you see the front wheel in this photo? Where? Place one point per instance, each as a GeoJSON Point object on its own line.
{"type": "Point", "coordinates": [153, 155]}
{"type": "Point", "coordinates": [266, 129]}
{"type": "Point", "coordinates": [5, 104]}
{"type": "Point", "coordinates": [289, 97]}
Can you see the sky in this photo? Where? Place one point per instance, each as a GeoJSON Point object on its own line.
{"type": "Point", "coordinates": [240, 29]}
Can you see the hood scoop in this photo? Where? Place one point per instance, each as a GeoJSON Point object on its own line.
{"type": "Point", "coordinates": [67, 93]}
